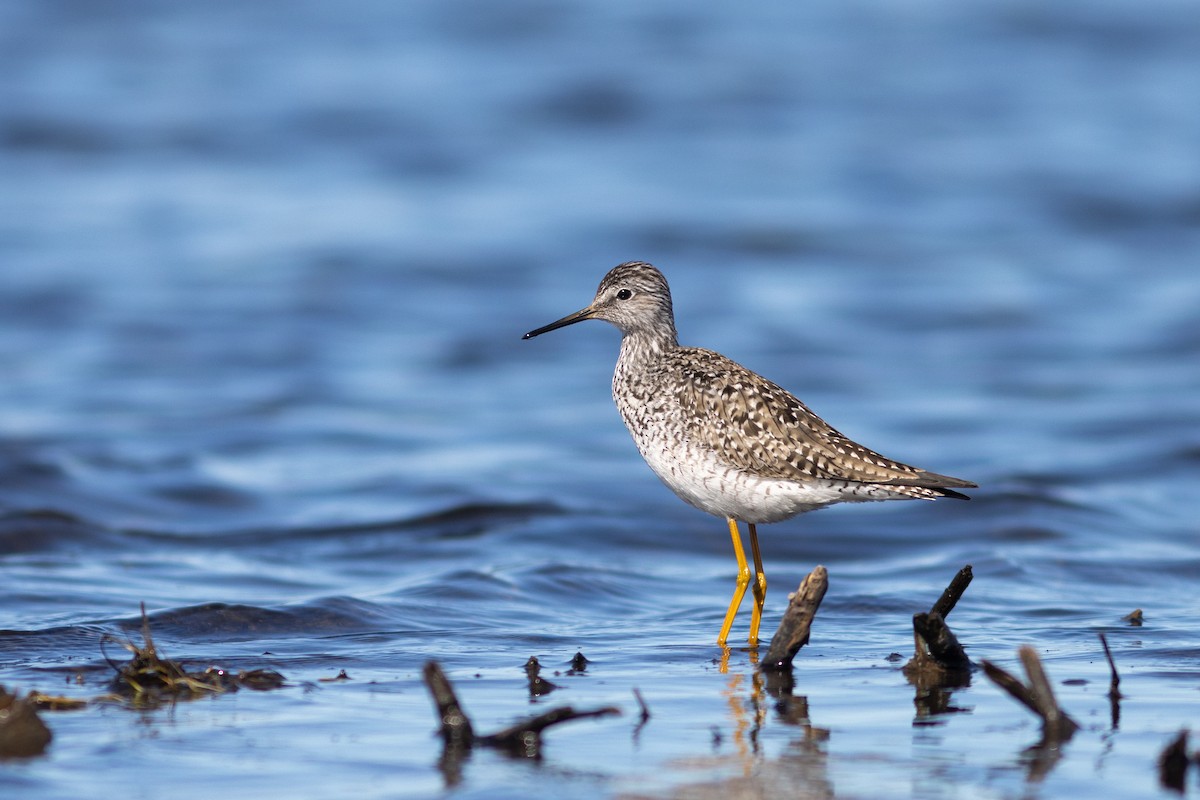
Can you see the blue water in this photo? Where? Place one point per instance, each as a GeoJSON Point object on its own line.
{"type": "Point", "coordinates": [264, 270]}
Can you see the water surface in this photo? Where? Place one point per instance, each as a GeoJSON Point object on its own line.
{"type": "Point", "coordinates": [263, 273]}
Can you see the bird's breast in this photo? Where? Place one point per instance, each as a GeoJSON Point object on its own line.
{"type": "Point", "coordinates": [698, 475]}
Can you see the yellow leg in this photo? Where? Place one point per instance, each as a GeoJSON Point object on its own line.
{"type": "Point", "coordinates": [743, 580]}
{"type": "Point", "coordinates": [760, 587]}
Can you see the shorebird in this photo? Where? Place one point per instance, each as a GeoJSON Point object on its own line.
{"type": "Point", "coordinates": [727, 440]}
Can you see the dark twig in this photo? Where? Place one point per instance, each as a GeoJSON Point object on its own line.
{"type": "Point", "coordinates": [455, 726]}
{"type": "Point", "coordinates": [796, 623]}
{"type": "Point", "coordinates": [945, 604]}
{"type": "Point", "coordinates": [1011, 684]}
{"type": "Point", "coordinates": [644, 716]}
{"type": "Point", "coordinates": [525, 738]}
{"type": "Point", "coordinates": [1114, 690]}
{"type": "Point", "coordinates": [1037, 696]}
{"type": "Point", "coordinates": [1052, 715]}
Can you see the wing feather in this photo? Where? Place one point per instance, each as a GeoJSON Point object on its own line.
{"type": "Point", "coordinates": [761, 428]}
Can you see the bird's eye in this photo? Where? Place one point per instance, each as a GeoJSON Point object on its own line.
{"type": "Point", "coordinates": [624, 294]}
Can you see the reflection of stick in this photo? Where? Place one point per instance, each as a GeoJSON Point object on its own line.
{"type": "Point", "coordinates": [1037, 696]}
{"type": "Point", "coordinates": [796, 623]}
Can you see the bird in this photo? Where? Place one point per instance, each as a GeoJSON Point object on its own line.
{"type": "Point", "coordinates": [727, 440]}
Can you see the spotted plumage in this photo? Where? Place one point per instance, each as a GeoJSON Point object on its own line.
{"type": "Point", "coordinates": [725, 439]}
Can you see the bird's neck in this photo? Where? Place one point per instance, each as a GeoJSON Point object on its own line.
{"type": "Point", "coordinates": [640, 346]}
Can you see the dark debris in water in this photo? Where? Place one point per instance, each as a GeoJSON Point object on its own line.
{"type": "Point", "coordinates": [538, 686]}
{"type": "Point", "coordinates": [149, 679]}
{"type": "Point", "coordinates": [522, 740]}
{"type": "Point", "coordinates": [938, 657]}
{"type": "Point", "coordinates": [22, 732]}
{"type": "Point", "coordinates": [1174, 762]}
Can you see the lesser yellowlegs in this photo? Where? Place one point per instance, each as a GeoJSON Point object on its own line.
{"type": "Point", "coordinates": [727, 440]}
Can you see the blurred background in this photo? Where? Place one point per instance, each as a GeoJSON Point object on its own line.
{"type": "Point", "coordinates": [264, 269]}
{"type": "Point", "coordinates": [281, 252]}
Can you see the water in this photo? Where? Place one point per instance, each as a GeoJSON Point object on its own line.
{"type": "Point", "coordinates": [264, 272]}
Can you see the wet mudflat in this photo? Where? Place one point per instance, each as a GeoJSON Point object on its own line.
{"type": "Point", "coordinates": [263, 273]}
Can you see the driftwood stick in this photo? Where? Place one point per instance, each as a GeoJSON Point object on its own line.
{"type": "Point", "coordinates": [1043, 692]}
{"type": "Point", "coordinates": [940, 643]}
{"type": "Point", "coordinates": [1037, 695]}
{"type": "Point", "coordinates": [938, 657]}
{"type": "Point", "coordinates": [1011, 684]}
{"type": "Point", "coordinates": [945, 604]}
{"type": "Point", "coordinates": [796, 623]}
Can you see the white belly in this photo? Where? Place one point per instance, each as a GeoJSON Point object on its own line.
{"type": "Point", "coordinates": [700, 480]}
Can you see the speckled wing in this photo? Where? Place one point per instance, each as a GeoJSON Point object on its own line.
{"type": "Point", "coordinates": [759, 427]}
